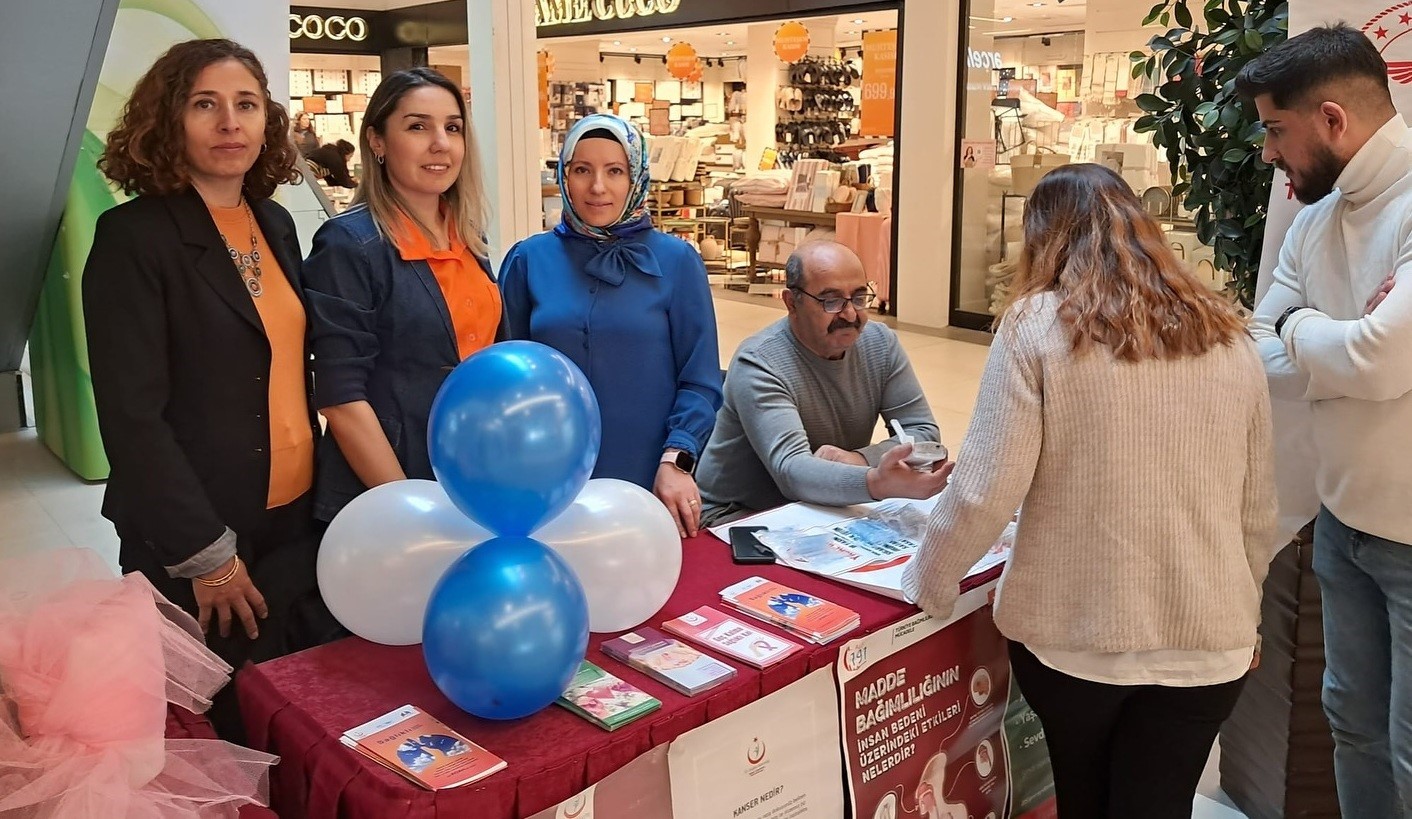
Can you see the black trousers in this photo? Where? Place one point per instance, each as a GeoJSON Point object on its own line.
{"type": "Point", "coordinates": [1123, 751]}
{"type": "Point", "coordinates": [281, 555]}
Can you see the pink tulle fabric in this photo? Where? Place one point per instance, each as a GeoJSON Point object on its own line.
{"type": "Point", "coordinates": [88, 663]}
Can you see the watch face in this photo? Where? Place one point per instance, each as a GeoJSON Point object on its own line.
{"type": "Point", "coordinates": [686, 462]}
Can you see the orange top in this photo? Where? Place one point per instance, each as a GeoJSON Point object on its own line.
{"type": "Point", "coordinates": [282, 314]}
{"type": "Point", "coordinates": [471, 297]}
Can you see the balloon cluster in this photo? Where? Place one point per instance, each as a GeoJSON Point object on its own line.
{"type": "Point", "coordinates": [503, 618]}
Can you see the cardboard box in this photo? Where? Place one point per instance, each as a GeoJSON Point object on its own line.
{"type": "Point", "coordinates": [1026, 170]}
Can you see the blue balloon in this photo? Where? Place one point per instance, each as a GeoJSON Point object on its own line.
{"type": "Point", "coordinates": [514, 435]}
{"type": "Point", "coordinates": [506, 628]}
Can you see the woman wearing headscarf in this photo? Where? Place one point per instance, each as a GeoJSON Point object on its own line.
{"type": "Point", "coordinates": [631, 307]}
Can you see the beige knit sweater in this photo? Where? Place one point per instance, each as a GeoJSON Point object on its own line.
{"type": "Point", "coordinates": [1147, 490]}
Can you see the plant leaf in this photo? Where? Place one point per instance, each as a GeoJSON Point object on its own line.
{"type": "Point", "coordinates": [1150, 103]}
{"type": "Point", "coordinates": [1182, 15]}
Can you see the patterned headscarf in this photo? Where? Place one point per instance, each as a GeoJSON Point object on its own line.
{"type": "Point", "coordinates": [634, 209]}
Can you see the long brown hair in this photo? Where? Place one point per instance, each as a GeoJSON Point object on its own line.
{"type": "Point", "coordinates": [464, 200]}
{"type": "Point", "coordinates": [146, 152]}
{"type": "Point", "coordinates": [1089, 241]}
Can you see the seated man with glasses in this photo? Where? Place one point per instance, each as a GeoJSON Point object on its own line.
{"type": "Point", "coordinates": [803, 396]}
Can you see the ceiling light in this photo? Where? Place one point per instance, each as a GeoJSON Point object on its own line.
{"type": "Point", "coordinates": [617, 42]}
{"type": "Point", "coordinates": [666, 39]}
{"type": "Point", "coordinates": [1006, 19]}
{"type": "Point", "coordinates": [858, 22]}
{"type": "Point", "coordinates": [633, 49]}
{"type": "Point", "coordinates": [723, 34]}
{"type": "Point", "coordinates": [1037, 5]}
{"type": "Point", "coordinates": [730, 42]}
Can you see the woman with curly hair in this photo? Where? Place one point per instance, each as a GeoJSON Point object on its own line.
{"type": "Point", "coordinates": [198, 347]}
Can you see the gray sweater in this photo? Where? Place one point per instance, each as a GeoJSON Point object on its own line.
{"type": "Point", "coordinates": [1148, 492]}
{"type": "Point", "coordinates": [782, 402]}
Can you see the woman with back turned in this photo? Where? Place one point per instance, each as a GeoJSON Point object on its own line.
{"type": "Point", "coordinates": [1125, 407]}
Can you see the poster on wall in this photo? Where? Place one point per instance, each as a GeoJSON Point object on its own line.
{"type": "Point", "coordinates": [776, 758]}
{"type": "Point", "coordinates": [1293, 420]}
{"type": "Point", "coordinates": [640, 788]}
{"type": "Point", "coordinates": [879, 84]}
{"type": "Point", "coordinates": [978, 153]}
{"type": "Point", "coordinates": [923, 710]}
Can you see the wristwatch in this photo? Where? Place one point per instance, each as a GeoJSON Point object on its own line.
{"type": "Point", "coordinates": [681, 459]}
{"type": "Point", "coordinates": [1289, 311]}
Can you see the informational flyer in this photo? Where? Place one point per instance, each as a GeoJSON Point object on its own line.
{"type": "Point", "coordinates": [640, 788]}
{"type": "Point", "coordinates": [776, 758]}
{"type": "Point", "coordinates": [1031, 777]}
{"type": "Point", "coordinates": [867, 545]}
{"type": "Point", "coordinates": [923, 710]}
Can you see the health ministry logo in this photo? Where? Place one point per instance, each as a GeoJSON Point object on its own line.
{"type": "Point", "coordinates": [1386, 28]}
{"type": "Point", "coordinates": [755, 753]}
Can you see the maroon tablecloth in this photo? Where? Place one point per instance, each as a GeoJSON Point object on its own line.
{"type": "Point", "coordinates": [182, 724]}
{"type": "Point", "coordinates": [298, 707]}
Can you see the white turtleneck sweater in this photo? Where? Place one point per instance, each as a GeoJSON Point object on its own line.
{"type": "Point", "coordinates": [1356, 369]}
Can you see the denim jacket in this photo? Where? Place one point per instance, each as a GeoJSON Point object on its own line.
{"type": "Point", "coordinates": [381, 333]}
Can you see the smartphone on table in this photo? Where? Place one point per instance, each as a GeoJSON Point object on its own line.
{"type": "Point", "coordinates": [746, 546]}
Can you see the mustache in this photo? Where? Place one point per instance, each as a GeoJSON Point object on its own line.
{"type": "Point", "coordinates": [840, 324]}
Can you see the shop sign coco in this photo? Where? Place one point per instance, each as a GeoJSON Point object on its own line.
{"type": "Point", "coordinates": [560, 12]}
{"type": "Point", "coordinates": [319, 27]}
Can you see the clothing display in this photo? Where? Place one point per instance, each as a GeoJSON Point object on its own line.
{"type": "Point", "coordinates": [792, 402]}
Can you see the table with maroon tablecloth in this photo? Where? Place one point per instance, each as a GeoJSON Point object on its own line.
{"type": "Point", "coordinates": [182, 724]}
{"type": "Point", "coordinates": [298, 707]}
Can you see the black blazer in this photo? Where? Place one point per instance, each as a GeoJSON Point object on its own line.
{"type": "Point", "coordinates": [180, 365]}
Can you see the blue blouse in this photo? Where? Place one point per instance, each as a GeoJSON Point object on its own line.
{"type": "Point", "coordinates": [645, 339]}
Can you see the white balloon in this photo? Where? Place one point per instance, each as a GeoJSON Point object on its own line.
{"type": "Point", "coordinates": [624, 546]}
{"type": "Point", "coordinates": [383, 554]}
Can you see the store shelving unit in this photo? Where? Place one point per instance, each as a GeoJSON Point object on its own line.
{"type": "Point", "coordinates": [762, 279]}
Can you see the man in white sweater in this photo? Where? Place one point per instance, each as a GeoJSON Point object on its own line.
{"type": "Point", "coordinates": [1335, 329]}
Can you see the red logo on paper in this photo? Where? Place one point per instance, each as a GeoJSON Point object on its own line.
{"type": "Point", "coordinates": [1387, 27]}
{"type": "Point", "coordinates": [755, 754]}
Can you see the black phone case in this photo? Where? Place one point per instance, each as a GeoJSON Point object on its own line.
{"type": "Point", "coordinates": [746, 548]}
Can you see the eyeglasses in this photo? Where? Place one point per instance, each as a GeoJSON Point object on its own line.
{"type": "Point", "coordinates": [834, 304]}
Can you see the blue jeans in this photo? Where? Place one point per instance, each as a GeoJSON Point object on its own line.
{"type": "Point", "coordinates": [1366, 583]}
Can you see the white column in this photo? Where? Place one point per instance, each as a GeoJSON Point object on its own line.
{"type": "Point", "coordinates": [504, 100]}
{"type": "Point", "coordinates": [763, 76]}
{"type": "Point", "coordinates": [931, 43]}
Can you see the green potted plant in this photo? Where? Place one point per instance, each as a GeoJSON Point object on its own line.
{"type": "Point", "coordinates": [1212, 137]}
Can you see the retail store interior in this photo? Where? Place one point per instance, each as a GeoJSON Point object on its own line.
{"type": "Point", "coordinates": [745, 176]}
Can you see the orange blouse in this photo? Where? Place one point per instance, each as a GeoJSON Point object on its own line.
{"type": "Point", "coordinates": [471, 297]}
{"type": "Point", "coordinates": [282, 314]}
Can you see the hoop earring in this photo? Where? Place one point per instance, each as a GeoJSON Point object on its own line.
{"type": "Point", "coordinates": [262, 147]}
{"type": "Point", "coordinates": [380, 160]}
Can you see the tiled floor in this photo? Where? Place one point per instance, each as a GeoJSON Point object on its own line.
{"type": "Point", "coordinates": [42, 504]}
